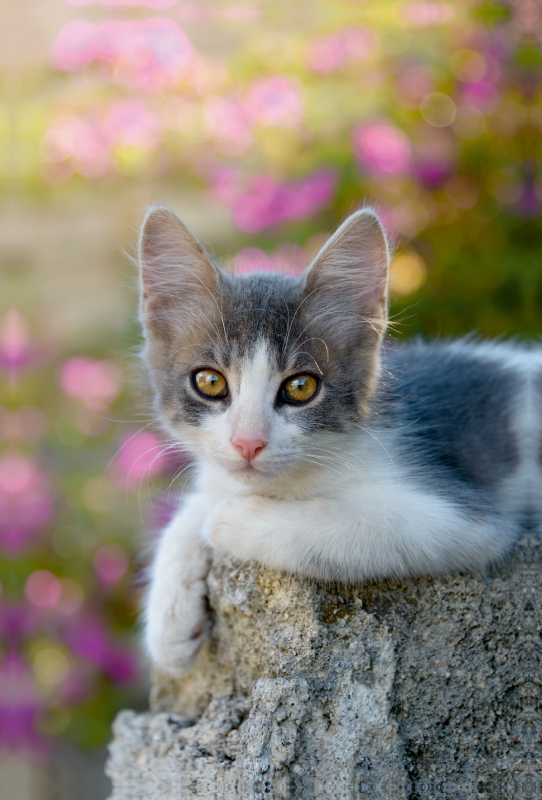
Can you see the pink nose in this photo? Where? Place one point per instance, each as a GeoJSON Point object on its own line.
{"type": "Point", "coordinates": [249, 448]}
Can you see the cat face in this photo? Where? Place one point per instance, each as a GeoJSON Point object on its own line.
{"type": "Point", "coordinates": [255, 372]}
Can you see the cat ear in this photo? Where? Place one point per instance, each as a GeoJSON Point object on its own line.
{"type": "Point", "coordinates": [346, 286]}
{"type": "Point", "coordinates": [179, 282]}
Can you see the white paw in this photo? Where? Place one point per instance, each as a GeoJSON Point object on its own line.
{"type": "Point", "coordinates": [176, 625]}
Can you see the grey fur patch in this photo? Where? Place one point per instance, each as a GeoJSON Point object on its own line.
{"type": "Point", "coordinates": [453, 412]}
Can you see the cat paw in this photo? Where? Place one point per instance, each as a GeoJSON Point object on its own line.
{"type": "Point", "coordinates": [177, 626]}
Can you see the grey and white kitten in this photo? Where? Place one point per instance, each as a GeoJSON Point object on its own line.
{"type": "Point", "coordinates": [320, 449]}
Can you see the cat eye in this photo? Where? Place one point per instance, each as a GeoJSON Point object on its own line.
{"type": "Point", "coordinates": [210, 383]}
{"type": "Point", "coordinates": [300, 388]}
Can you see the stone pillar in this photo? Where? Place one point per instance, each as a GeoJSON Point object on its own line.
{"type": "Point", "coordinates": [427, 688]}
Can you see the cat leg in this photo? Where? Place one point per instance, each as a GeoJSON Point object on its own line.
{"type": "Point", "coordinates": [175, 620]}
{"type": "Point", "coordinates": [304, 536]}
{"type": "Point", "coordinates": [410, 534]}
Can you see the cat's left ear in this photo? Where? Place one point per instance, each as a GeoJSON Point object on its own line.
{"type": "Point", "coordinates": [346, 286]}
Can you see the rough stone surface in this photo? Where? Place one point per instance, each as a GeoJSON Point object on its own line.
{"type": "Point", "coordinates": [428, 688]}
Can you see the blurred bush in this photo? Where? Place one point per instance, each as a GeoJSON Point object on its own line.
{"type": "Point", "coordinates": [290, 115]}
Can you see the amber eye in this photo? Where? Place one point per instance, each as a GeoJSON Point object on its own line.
{"type": "Point", "coordinates": [210, 383]}
{"type": "Point", "coordinates": [300, 389]}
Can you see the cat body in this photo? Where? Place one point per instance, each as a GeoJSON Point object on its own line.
{"type": "Point", "coordinates": [321, 448]}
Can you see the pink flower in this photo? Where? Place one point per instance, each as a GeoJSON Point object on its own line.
{"type": "Point", "coordinates": [412, 85]}
{"type": "Point", "coordinates": [43, 589]}
{"type": "Point", "coordinates": [434, 156]}
{"type": "Point", "coordinates": [382, 148]}
{"type": "Point", "coordinates": [148, 3]}
{"type": "Point", "coordinates": [111, 563]}
{"type": "Point", "coordinates": [132, 122]}
{"type": "Point", "coordinates": [25, 502]}
{"type": "Point", "coordinates": [358, 43]}
{"type": "Point", "coordinates": [95, 384]}
{"type": "Point", "coordinates": [141, 455]}
{"type": "Point", "coordinates": [226, 183]}
{"type": "Point", "coordinates": [16, 352]}
{"type": "Point", "coordinates": [83, 141]}
{"type": "Point", "coordinates": [287, 259]}
{"type": "Point", "coordinates": [75, 46]}
{"type": "Point", "coordinates": [327, 54]}
{"type": "Point", "coordinates": [268, 204]}
{"type": "Point", "coordinates": [424, 14]}
{"type": "Point", "coordinates": [229, 122]}
{"type": "Point", "coordinates": [276, 101]}
{"type": "Point", "coordinates": [148, 54]}
{"type": "Point", "coordinates": [26, 423]}
{"type": "Point", "coordinates": [86, 142]}
{"type": "Point", "coordinates": [251, 259]}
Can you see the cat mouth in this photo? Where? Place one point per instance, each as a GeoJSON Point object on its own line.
{"type": "Point", "coordinates": [251, 471]}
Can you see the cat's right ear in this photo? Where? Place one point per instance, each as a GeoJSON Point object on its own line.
{"type": "Point", "coordinates": [347, 283]}
{"type": "Point", "coordinates": [179, 282]}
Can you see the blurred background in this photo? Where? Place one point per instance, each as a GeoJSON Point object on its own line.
{"type": "Point", "coordinates": [262, 124]}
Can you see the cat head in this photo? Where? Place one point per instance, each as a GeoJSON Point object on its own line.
{"type": "Point", "coordinates": [254, 372]}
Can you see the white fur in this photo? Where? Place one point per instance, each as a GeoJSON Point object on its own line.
{"type": "Point", "coordinates": [332, 506]}
{"type": "Point", "coordinates": [175, 602]}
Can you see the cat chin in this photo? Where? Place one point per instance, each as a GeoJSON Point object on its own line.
{"type": "Point", "coordinates": [250, 475]}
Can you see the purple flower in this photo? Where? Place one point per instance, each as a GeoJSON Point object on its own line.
{"type": "Point", "coordinates": [382, 148]}
{"type": "Point", "coordinates": [95, 384]}
{"type": "Point", "coordinates": [17, 621]}
{"type": "Point", "coordinates": [25, 502]}
{"type": "Point", "coordinates": [434, 157]}
{"type": "Point", "coordinates": [120, 664]}
{"type": "Point", "coordinates": [88, 640]}
{"type": "Point", "coordinates": [111, 563]}
{"type": "Point", "coordinates": [481, 95]}
{"type": "Point", "coordinates": [268, 204]}
{"type": "Point", "coordinates": [16, 352]}
{"type": "Point", "coordinates": [19, 706]}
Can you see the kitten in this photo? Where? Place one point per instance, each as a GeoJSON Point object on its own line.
{"type": "Point", "coordinates": [320, 449]}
